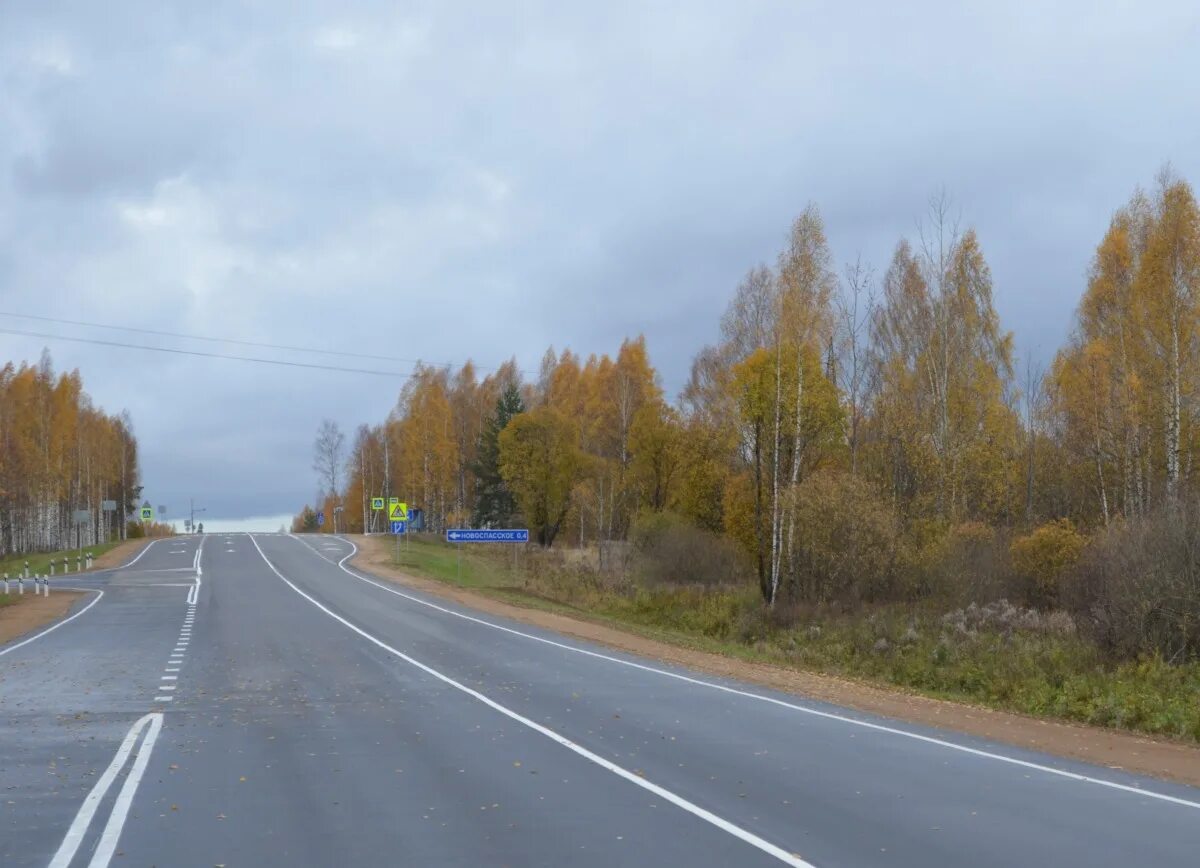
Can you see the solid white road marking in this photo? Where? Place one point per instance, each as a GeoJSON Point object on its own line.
{"type": "Point", "coordinates": [679, 801]}
{"type": "Point", "coordinates": [54, 627]}
{"type": "Point", "coordinates": [166, 687]}
{"type": "Point", "coordinates": [116, 820]}
{"type": "Point", "coordinates": [865, 724]}
{"type": "Point", "coordinates": [139, 555]}
{"type": "Point", "coordinates": [169, 669]}
{"type": "Point", "coordinates": [74, 837]}
{"type": "Point", "coordinates": [163, 698]}
{"type": "Point", "coordinates": [170, 677]}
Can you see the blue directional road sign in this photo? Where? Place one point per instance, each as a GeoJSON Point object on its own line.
{"type": "Point", "coordinates": [465, 535]}
{"type": "Point", "coordinates": [320, 519]}
{"type": "Point", "coordinates": [399, 527]}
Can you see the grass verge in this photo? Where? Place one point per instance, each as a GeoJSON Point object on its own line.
{"type": "Point", "coordinates": [39, 562]}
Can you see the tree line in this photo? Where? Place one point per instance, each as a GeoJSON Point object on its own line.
{"type": "Point", "coordinates": [842, 411]}
{"type": "Point", "coordinates": [60, 454]}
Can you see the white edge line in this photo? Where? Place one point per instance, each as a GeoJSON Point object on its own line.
{"type": "Point", "coordinates": [54, 627]}
{"type": "Point", "coordinates": [74, 837]}
{"type": "Point", "coordinates": [719, 822]}
{"type": "Point", "coordinates": [116, 820]}
{"type": "Point", "coordinates": [138, 556]}
{"type": "Point", "coordinates": [865, 724]}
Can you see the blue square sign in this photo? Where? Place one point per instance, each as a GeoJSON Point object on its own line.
{"type": "Point", "coordinates": [399, 527]}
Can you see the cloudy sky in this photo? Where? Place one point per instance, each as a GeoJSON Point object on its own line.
{"type": "Point", "coordinates": [444, 181]}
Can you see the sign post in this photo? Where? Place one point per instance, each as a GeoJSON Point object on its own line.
{"type": "Point", "coordinates": [499, 535]}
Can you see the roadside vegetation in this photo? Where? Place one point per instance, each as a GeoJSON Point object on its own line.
{"type": "Point", "coordinates": [39, 562]}
{"type": "Point", "coordinates": [60, 455]}
{"type": "Point", "coordinates": [859, 476]}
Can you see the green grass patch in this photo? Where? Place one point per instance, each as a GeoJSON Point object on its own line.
{"type": "Point", "coordinates": [39, 562]}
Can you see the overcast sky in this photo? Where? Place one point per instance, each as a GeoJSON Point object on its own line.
{"type": "Point", "coordinates": [446, 181]}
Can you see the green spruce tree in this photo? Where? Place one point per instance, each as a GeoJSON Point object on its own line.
{"type": "Point", "coordinates": [494, 505]}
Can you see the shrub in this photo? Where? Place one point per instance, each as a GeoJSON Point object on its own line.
{"type": "Point", "coordinates": [1136, 587]}
{"type": "Point", "coordinates": [967, 563]}
{"type": "Point", "coordinates": [845, 540]}
{"type": "Point", "coordinates": [669, 549]}
{"type": "Point", "coordinates": [1041, 558]}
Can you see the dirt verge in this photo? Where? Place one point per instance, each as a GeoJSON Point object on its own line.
{"type": "Point", "coordinates": [118, 554]}
{"type": "Point", "coordinates": [31, 612]}
{"type": "Point", "coordinates": [1112, 748]}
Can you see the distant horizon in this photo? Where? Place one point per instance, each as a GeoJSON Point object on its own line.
{"type": "Point", "coordinates": [249, 524]}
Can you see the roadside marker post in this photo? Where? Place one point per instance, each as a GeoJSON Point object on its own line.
{"type": "Point", "coordinates": [27, 569]}
{"type": "Point", "coordinates": [6, 583]}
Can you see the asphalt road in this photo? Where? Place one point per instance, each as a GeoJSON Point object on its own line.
{"type": "Point", "coordinates": [256, 703]}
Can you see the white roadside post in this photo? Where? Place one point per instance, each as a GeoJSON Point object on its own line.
{"type": "Point", "coordinates": [46, 586]}
{"type": "Point", "coordinates": [51, 566]}
{"type": "Point", "coordinates": [6, 583]}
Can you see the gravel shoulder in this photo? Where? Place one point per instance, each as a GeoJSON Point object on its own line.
{"type": "Point", "coordinates": [1112, 748]}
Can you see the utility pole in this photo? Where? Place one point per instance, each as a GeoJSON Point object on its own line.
{"type": "Point", "coordinates": [192, 506]}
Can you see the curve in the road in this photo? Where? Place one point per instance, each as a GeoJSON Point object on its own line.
{"type": "Point", "coordinates": [866, 724]}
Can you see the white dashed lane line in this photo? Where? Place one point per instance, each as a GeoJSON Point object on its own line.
{"type": "Point", "coordinates": [175, 661]}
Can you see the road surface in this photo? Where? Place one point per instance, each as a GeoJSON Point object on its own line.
{"type": "Point", "coordinates": [248, 700]}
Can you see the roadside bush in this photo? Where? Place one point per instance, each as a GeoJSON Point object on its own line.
{"type": "Point", "coordinates": [1041, 558]}
{"type": "Point", "coordinates": [1136, 587]}
{"type": "Point", "coordinates": [669, 549]}
{"type": "Point", "coordinates": [845, 540]}
{"type": "Point", "coordinates": [969, 562]}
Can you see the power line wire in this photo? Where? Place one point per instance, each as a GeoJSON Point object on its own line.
{"type": "Point", "coordinates": [182, 352]}
{"type": "Point", "coordinates": [192, 337]}
{"type": "Point", "coordinates": [237, 341]}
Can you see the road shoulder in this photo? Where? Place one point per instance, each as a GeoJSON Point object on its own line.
{"type": "Point", "coordinates": [1112, 748]}
{"type": "Point", "coordinates": [30, 612]}
{"type": "Point", "coordinates": [119, 554]}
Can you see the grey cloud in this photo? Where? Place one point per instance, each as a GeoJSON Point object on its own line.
{"type": "Point", "coordinates": [443, 181]}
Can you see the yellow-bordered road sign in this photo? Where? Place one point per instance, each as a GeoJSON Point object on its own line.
{"type": "Point", "coordinates": [397, 511]}
{"type": "Point", "coordinates": [376, 503]}
{"type": "Point", "coordinates": [147, 513]}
